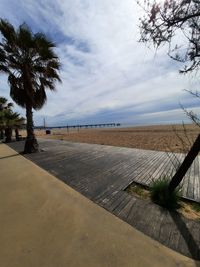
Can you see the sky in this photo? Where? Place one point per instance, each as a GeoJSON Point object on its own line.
{"type": "Point", "coordinates": [107, 74]}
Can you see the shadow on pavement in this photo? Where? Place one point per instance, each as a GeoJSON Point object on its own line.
{"type": "Point", "coordinates": [6, 157]}
{"type": "Point", "coordinates": [192, 245]}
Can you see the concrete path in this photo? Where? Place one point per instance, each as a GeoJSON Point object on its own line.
{"type": "Point", "coordinates": [101, 173]}
{"type": "Point", "coordinates": [45, 223]}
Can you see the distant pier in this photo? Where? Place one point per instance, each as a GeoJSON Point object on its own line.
{"type": "Point", "coordinates": [79, 126]}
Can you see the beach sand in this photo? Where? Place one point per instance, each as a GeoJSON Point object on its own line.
{"type": "Point", "coordinates": [160, 137]}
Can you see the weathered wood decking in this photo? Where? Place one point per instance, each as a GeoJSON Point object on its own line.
{"type": "Point", "coordinates": [116, 167]}
{"type": "Point", "coordinates": [101, 173]}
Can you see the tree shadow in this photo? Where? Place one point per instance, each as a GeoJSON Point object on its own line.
{"type": "Point", "coordinates": [10, 156]}
{"type": "Point", "coordinates": [192, 245]}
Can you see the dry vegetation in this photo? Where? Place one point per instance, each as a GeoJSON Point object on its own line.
{"type": "Point", "coordinates": [161, 137]}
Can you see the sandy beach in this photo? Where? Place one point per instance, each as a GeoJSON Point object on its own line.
{"type": "Point", "coordinates": [160, 137]}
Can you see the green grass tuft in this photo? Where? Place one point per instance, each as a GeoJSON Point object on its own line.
{"type": "Point", "coordinates": [160, 194]}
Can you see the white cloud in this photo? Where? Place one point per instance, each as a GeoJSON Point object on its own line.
{"type": "Point", "coordinates": [169, 116]}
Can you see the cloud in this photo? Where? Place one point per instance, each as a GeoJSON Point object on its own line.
{"type": "Point", "coordinates": [107, 74]}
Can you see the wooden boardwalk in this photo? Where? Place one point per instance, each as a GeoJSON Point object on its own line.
{"type": "Point", "coordinates": [101, 173]}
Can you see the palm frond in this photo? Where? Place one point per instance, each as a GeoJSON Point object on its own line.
{"type": "Point", "coordinates": [4, 68]}
{"type": "Point", "coordinates": [25, 37]}
{"type": "Point", "coordinates": [39, 98]}
{"type": "Point", "coordinates": [8, 31]}
{"type": "Point", "coordinates": [3, 100]}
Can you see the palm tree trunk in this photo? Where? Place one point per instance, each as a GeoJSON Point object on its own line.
{"type": "Point", "coordinates": [178, 177]}
{"type": "Point", "coordinates": [31, 144]}
{"type": "Point", "coordinates": [1, 134]}
{"type": "Point", "coordinates": [16, 134]}
{"type": "Point", "coordinates": [8, 134]}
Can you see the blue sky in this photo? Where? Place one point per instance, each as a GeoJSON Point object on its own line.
{"type": "Point", "coordinates": [107, 75]}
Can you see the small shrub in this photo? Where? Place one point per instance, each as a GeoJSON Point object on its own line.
{"type": "Point", "coordinates": [160, 194]}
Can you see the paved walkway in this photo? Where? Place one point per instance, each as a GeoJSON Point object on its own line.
{"type": "Point", "coordinates": [101, 173]}
{"type": "Point", "coordinates": [45, 223]}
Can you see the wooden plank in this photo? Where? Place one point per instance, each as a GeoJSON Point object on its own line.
{"type": "Point", "coordinates": [151, 224]}
{"type": "Point", "coordinates": [166, 229]}
{"type": "Point", "coordinates": [145, 175]}
{"type": "Point", "coordinates": [197, 180]}
{"type": "Point", "coordinates": [159, 169]}
{"type": "Point", "coordinates": [124, 213]}
{"type": "Point", "coordinates": [188, 239]}
{"type": "Point", "coordinates": [190, 189]}
{"type": "Point", "coordinates": [127, 171]}
{"type": "Point", "coordinates": [112, 200]}
{"type": "Point", "coordinates": [163, 170]}
{"type": "Point", "coordinates": [153, 171]}
{"type": "Point", "coordinates": [138, 173]}
{"type": "Point", "coordinates": [115, 201]}
{"type": "Point", "coordinates": [122, 204]}
{"type": "Point", "coordinates": [138, 162]}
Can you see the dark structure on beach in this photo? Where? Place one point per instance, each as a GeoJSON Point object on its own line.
{"type": "Point", "coordinates": [98, 125]}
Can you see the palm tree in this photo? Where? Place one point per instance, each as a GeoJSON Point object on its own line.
{"type": "Point", "coordinates": [4, 103]}
{"type": "Point", "coordinates": [5, 108]}
{"type": "Point", "coordinates": [31, 65]}
{"type": "Point", "coordinates": [9, 120]}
